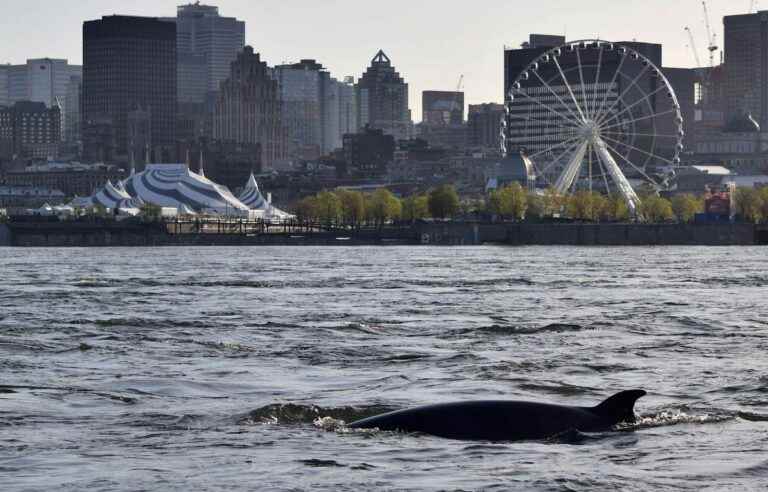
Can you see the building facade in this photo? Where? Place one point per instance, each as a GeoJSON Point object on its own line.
{"type": "Point", "coordinates": [383, 99]}
{"type": "Point", "coordinates": [129, 64]}
{"type": "Point", "coordinates": [441, 108]}
{"type": "Point", "coordinates": [248, 108]}
{"type": "Point", "coordinates": [484, 124]}
{"type": "Point", "coordinates": [73, 179]}
{"type": "Point", "coordinates": [746, 66]}
{"type": "Point", "coordinates": [44, 80]}
{"type": "Point", "coordinates": [30, 130]}
{"type": "Point", "coordinates": [369, 152]}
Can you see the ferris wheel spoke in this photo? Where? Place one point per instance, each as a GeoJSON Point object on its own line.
{"type": "Point", "coordinates": [583, 88]}
{"type": "Point", "coordinates": [646, 98]}
{"type": "Point", "coordinates": [551, 109]}
{"type": "Point", "coordinates": [539, 120]}
{"type": "Point", "coordinates": [604, 175]}
{"type": "Point", "coordinates": [655, 156]}
{"type": "Point", "coordinates": [552, 147]}
{"type": "Point", "coordinates": [597, 82]}
{"type": "Point", "coordinates": [570, 149]}
{"type": "Point", "coordinates": [636, 168]}
{"type": "Point", "coordinates": [610, 86]}
{"type": "Point", "coordinates": [620, 98]}
{"type": "Point", "coordinates": [575, 118]}
{"type": "Point", "coordinates": [653, 135]}
{"type": "Point", "coordinates": [570, 89]}
{"type": "Point", "coordinates": [635, 120]}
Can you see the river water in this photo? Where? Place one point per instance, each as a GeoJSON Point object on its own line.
{"type": "Point", "coordinates": [208, 369]}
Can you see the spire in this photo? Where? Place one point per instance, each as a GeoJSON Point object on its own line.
{"type": "Point", "coordinates": [146, 154]}
{"type": "Point", "coordinates": [202, 171]}
{"type": "Point", "coordinates": [133, 163]}
{"type": "Point", "coordinates": [187, 161]}
{"type": "Point", "coordinates": [380, 57]}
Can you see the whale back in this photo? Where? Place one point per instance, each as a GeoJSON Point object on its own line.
{"type": "Point", "coordinates": [620, 407]}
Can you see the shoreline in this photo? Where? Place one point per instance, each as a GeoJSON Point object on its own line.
{"type": "Point", "coordinates": [84, 234]}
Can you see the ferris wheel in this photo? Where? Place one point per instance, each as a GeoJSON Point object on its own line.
{"type": "Point", "coordinates": [594, 114]}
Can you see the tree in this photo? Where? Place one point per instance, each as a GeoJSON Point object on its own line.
{"type": "Point", "coordinates": [328, 207]}
{"type": "Point", "coordinates": [685, 207]}
{"type": "Point", "coordinates": [306, 209]}
{"type": "Point", "coordinates": [352, 206]}
{"type": "Point", "coordinates": [616, 208]}
{"type": "Point", "coordinates": [656, 209]}
{"type": "Point", "coordinates": [586, 205]}
{"type": "Point", "coordinates": [749, 204]}
{"type": "Point", "coordinates": [764, 197]}
{"type": "Point", "coordinates": [509, 201]}
{"type": "Point", "coordinates": [382, 206]}
{"type": "Point", "coordinates": [416, 207]}
{"type": "Point", "coordinates": [553, 202]}
{"type": "Point", "coordinates": [443, 202]}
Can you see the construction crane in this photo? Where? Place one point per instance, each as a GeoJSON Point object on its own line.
{"type": "Point", "coordinates": [702, 72]}
{"type": "Point", "coordinates": [711, 37]}
{"type": "Point", "coordinates": [752, 6]}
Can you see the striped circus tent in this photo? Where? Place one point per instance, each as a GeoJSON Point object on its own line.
{"type": "Point", "coordinates": [110, 197]}
{"type": "Point", "coordinates": [252, 197]}
{"type": "Point", "coordinates": [175, 186]}
{"type": "Point", "coordinates": [255, 200]}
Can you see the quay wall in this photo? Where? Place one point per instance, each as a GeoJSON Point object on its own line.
{"type": "Point", "coordinates": [66, 234]}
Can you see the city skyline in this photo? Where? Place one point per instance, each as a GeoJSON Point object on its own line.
{"type": "Point", "coordinates": [443, 35]}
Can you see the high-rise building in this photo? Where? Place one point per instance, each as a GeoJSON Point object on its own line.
{"type": "Point", "coordinates": [442, 108]}
{"type": "Point", "coordinates": [317, 109]}
{"type": "Point", "coordinates": [206, 44]}
{"type": "Point", "coordinates": [72, 118]}
{"type": "Point", "coordinates": [485, 125]}
{"type": "Point", "coordinates": [42, 80]}
{"type": "Point", "coordinates": [746, 67]}
{"type": "Point", "coordinates": [248, 108]}
{"type": "Point", "coordinates": [383, 99]}
{"type": "Point", "coordinates": [129, 67]}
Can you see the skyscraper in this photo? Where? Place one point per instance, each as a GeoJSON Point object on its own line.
{"type": "Point", "coordinates": [746, 66]}
{"type": "Point", "coordinates": [129, 77]}
{"type": "Point", "coordinates": [206, 44]}
{"type": "Point", "coordinates": [485, 125]}
{"type": "Point", "coordinates": [43, 80]}
{"type": "Point", "coordinates": [383, 98]}
{"type": "Point", "coordinates": [248, 108]}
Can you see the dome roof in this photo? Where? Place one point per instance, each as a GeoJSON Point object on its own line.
{"type": "Point", "coordinates": [743, 123]}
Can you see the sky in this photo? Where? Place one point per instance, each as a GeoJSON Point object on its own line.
{"type": "Point", "coordinates": [431, 42]}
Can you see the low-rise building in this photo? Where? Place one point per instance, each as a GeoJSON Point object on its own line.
{"type": "Point", "coordinates": [30, 129]}
{"type": "Point", "coordinates": [29, 196]}
{"type": "Point", "coordinates": [71, 178]}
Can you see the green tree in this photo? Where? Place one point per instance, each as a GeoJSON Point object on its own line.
{"type": "Point", "coordinates": [685, 207]}
{"type": "Point", "coordinates": [352, 206]}
{"type": "Point", "coordinates": [764, 197]}
{"type": "Point", "coordinates": [749, 204]}
{"type": "Point", "coordinates": [586, 205]}
{"type": "Point", "coordinates": [616, 208]}
{"type": "Point", "coordinates": [328, 207]}
{"type": "Point", "coordinates": [509, 201]}
{"type": "Point", "coordinates": [416, 207]}
{"type": "Point", "coordinates": [443, 202]}
{"type": "Point", "coordinates": [656, 209]}
{"type": "Point", "coordinates": [553, 202]}
{"type": "Point", "coordinates": [382, 206]}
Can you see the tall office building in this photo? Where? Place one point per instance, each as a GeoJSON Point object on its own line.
{"type": "Point", "coordinates": [248, 108]}
{"type": "Point", "coordinates": [206, 43]}
{"type": "Point", "coordinates": [317, 109]}
{"type": "Point", "coordinates": [746, 67]}
{"type": "Point", "coordinates": [43, 80]}
{"type": "Point", "coordinates": [383, 98]}
{"type": "Point", "coordinates": [129, 87]}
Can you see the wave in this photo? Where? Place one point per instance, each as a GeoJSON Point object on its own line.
{"type": "Point", "coordinates": [294, 413]}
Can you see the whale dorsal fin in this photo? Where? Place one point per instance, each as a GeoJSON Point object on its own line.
{"type": "Point", "coordinates": [620, 407]}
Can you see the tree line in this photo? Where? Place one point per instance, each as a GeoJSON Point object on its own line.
{"type": "Point", "coordinates": [513, 202]}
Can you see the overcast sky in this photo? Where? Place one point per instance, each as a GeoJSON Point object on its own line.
{"type": "Point", "coordinates": [431, 42]}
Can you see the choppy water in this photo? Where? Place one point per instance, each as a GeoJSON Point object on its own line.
{"type": "Point", "coordinates": [187, 369]}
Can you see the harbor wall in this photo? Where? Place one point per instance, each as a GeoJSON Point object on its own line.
{"type": "Point", "coordinates": [71, 234]}
{"type": "Point", "coordinates": [5, 235]}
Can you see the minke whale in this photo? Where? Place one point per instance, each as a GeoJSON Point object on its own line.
{"type": "Point", "coordinates": [506, 420]}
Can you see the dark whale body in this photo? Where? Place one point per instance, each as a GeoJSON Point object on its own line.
{"type": "Point", "coordinates": [506, 420]}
